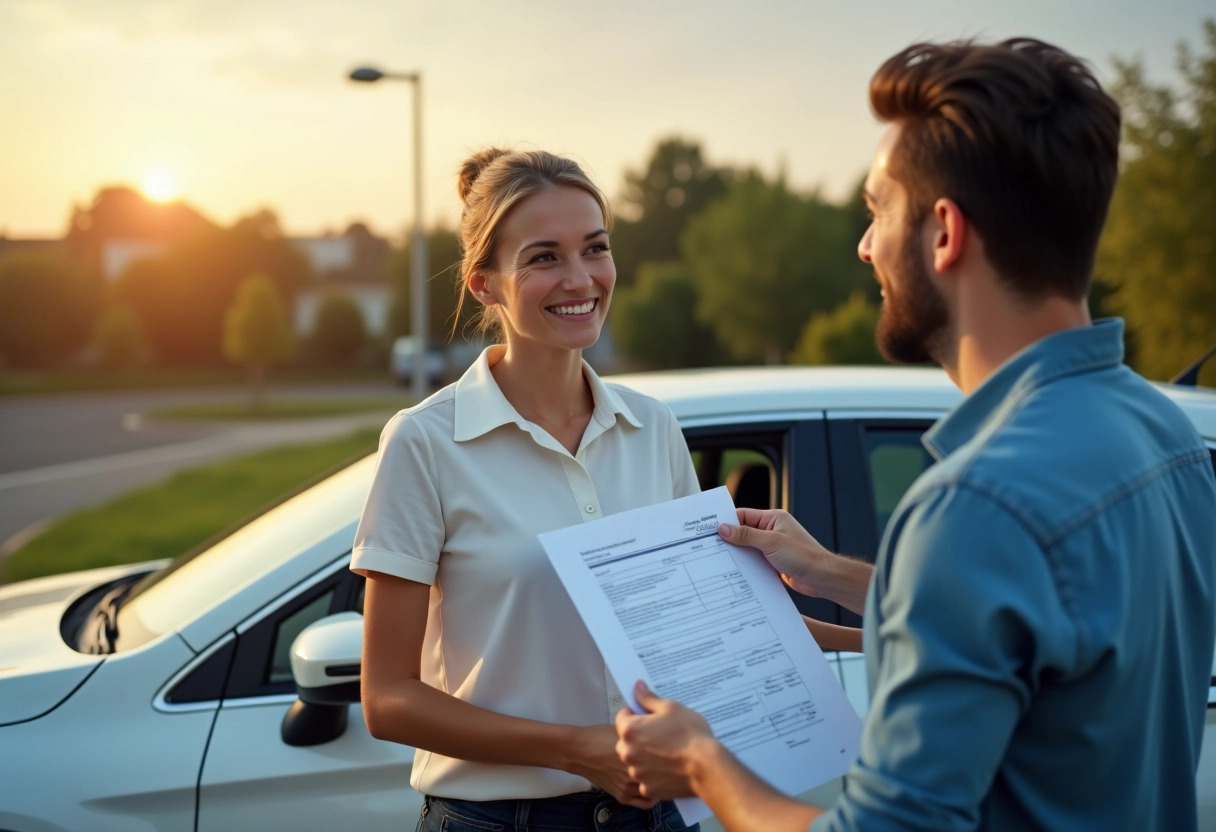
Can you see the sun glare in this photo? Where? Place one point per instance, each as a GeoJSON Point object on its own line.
{"type": "Point", "coordinates": [159, 186]}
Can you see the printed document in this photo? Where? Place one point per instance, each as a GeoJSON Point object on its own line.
{"type": "Point", "coordinates": [710, 625]}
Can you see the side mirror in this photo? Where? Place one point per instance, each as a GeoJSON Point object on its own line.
{"type": "Point", "coordinates": [325, 665]}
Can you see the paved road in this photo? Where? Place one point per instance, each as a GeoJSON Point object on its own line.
{"type": "Point", "coordinates": [61, 453]}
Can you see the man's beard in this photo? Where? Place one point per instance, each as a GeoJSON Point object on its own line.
{"type": "Point", "coordinates": [914, 325]}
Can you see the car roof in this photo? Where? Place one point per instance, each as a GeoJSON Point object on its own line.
{"type": "Point", "coordinates": [750, 390]}
{"type": "Point", "coordinates": [1199, 403]}
{"type": "Point", "coordinates": [715, 392]}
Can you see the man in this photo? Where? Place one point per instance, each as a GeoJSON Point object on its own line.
{"type": "Point", "coordinates": [1039, 623]}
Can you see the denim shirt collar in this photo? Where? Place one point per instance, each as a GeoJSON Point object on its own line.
{"type": "Point", "coordinates": [1068, 352]}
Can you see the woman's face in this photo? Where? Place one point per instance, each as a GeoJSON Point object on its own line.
{"type": "Point", "coordinates": [553, 273]}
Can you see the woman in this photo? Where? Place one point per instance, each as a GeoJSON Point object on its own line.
{"type": "Point", "coordinates": [473, 653]}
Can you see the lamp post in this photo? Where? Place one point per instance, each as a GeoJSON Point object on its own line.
{"type": "Point", "coordinates": [418, 294]}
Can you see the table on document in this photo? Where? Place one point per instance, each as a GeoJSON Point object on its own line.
{"type": "Point", "coordinates": [705, 640]}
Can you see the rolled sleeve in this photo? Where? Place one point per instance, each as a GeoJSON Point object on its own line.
{"type": "Point", "coordinates": [401, 530]}
{"type": "Point", "coordinates": [968, 617]}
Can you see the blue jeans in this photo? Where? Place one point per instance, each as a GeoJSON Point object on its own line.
{"type": "Point", "coordinates": [587, 811]}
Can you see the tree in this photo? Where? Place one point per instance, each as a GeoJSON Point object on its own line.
{"type": "Point", "coordinates": [443, 288]}
{"type": "Point", "coordinates": [120, 338]}
{"type": "Point", "coordinates": [658, 202]}
{"type": "Point", "coordinates": [257, 332]}
{"type": "Point", "coordinates": [339, 333]}
{"type": "Point", "coordinates": [654, 322]}
{"type": "Point", "coordinates": [47, 308]}
{"type": "Point", "coordinates": [122, 213]}
{"type": "Point", "coordinates": [182, 295]}
{"type": "Point", "coordinates": [1158, 251]}
{"type": "Point", "coordinates": [846, 335]}
{"type": "Point", "coordinates": [764, 260]}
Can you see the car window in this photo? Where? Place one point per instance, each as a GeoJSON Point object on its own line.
{"type": "Point", "coordinates": [746, 471]}
{"type": "Point", "coordinates": [895, 459]}
{"type": "Point", "coordinates": [285, 634]}
{"type": "Point", "coordinates": [262, 664]}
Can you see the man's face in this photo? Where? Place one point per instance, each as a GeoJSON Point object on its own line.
{"type": "Point", "coordinates": [914, 324]}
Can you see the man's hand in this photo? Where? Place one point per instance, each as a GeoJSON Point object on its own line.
{"type": "Point", "coordinates": [789, 548]}
{"type": "Point", "coordinates": [804, 564]}
{"type": "Point", "coordinates": [671, 752]}
{"type": "Point", "coordinates": [661, 748]}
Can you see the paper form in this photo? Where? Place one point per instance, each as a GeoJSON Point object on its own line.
{"type": "Point", "coordinates": [709, 624]}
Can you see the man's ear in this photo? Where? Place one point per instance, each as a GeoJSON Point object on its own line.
{"type": "Point", "coordinates": [949, 229]}
{"type": "Point", "coordinates": [479, 286]}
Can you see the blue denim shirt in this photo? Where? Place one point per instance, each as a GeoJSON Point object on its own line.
{"type": "Point", "coordinates": [1039, 629]}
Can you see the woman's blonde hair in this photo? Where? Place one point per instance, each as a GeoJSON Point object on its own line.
{"type": "Point", "coordinates": [491, 183]}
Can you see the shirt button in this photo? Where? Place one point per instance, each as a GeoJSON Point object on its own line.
{"type": "Point", "coordinates": [602, 816]}
{"type": "Point", "coordinates": [591, 509]}
{"type": "Point", "coordinates": [616, 700]}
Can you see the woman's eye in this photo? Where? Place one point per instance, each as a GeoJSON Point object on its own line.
{"type": "Point", "coordinates": [543, 257]}
{"type": "Point", "coordinates": [598, 248]}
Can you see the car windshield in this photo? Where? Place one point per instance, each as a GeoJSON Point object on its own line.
{"type": "Point", "coordinates": [167, 600]}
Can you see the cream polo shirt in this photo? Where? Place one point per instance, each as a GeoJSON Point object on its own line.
{"type": "Point", "coordinates": [463, 486]}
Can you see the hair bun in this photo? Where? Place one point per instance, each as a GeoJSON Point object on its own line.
{"type": "Point", "coordinates": [473, 166]}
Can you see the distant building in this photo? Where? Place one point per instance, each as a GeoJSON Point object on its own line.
{"type": "Point", "coordinates": [117, 254]}
{"type": "Point", "coordinates": [354, 264]}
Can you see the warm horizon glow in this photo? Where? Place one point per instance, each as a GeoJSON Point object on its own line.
{"type": "Point", "coordinates": [235, 107]}
{"type": "Point", "coordinates": [159, 185]}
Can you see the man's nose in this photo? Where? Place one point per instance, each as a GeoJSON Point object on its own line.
{"type": "Point", "coordinates": [863, 246]}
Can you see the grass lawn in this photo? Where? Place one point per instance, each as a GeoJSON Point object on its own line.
{"type": "Point", "coordinates": [291, 409]}
{"type": "Point", "coordinates": [178, 514]}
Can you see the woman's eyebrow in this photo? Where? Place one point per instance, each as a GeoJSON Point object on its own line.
{"type": "Point", "coordinates": [553, 243]}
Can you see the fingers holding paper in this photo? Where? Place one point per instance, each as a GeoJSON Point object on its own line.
{"type": "Point", "coordinates": [805, 565]}
{"type": "Point", "coordinates": [661, 747]}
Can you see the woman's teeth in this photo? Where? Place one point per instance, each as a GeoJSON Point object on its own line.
{"type": "Point", "coordinates": [574, 309]}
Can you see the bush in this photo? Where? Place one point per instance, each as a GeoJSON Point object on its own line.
{"type": "Point", "coordinates": [120, 338]}
{"type": "Point", "coordinates": [843, 336]}
{"type": "Point", "coordinates": [339, 334]}
{"type": "Point", "coordinates": [47, 308]}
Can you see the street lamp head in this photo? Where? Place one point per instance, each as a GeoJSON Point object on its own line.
{"type": "Point", "coordinates": [366, 73]}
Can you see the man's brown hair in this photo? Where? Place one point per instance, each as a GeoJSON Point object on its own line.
{"type": "Point", "coordinates": [1022, 137]}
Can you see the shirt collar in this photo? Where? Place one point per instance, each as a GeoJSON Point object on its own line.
{"type": "Point", "coordinates": [481, 407]}
{"type": "Point", "coordinates": [1071, 351]}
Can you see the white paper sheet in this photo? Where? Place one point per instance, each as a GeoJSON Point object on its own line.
{"type": "Point", "coordinates": [711, 625]}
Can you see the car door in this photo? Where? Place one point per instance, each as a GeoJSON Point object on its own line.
{"type": "Point", "coordinates": [772, 464]}
{"type": "Point", "coordinates": [251, 779]}
{"type": "Point", "coordinates": [875, 458]}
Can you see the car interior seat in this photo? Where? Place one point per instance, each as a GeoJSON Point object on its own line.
{"type": "Point", "coordinates": [751, 485]}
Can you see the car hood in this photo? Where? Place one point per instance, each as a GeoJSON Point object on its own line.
{"type": "Point", "coordinates": [38, 670]}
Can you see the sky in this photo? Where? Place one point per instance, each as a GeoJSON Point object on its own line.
{"type": "Point", "coordinates": [239, 105]}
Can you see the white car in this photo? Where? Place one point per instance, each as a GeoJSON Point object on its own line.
{"type": "Point", "coordinates": [403, 355]}
{"type": "Point", "coordinates": [161, 696]}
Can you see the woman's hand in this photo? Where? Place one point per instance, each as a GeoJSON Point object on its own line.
{"type": "Point", "coordinates": [596, 759]}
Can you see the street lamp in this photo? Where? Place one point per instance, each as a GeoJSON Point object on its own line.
{"type": "Point", "coordinates": [418, 300]}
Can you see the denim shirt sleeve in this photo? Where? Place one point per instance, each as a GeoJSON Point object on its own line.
{"type": "Point", "coordinates": [967, 617]}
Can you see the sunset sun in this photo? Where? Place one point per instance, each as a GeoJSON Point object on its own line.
{"type": "Point", "coordinates": [159, 185]}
